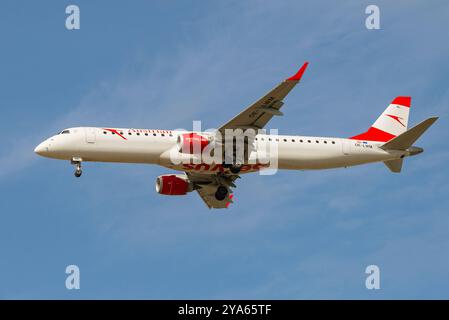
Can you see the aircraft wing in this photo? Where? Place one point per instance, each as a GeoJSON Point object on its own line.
{"type": "Point", "coordinates": [254, 117]}
{"type": "Point", "coordinates": [259, 113]}
{"type": "Point", "coordinates": [207, 193]}
{"type": "Point", "coordinates": [206, 185]}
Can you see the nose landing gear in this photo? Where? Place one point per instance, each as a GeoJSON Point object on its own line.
{"type": "Point", "coordinates": [77, 163]}
{"type": "Point", "coordinates": [78, 173]}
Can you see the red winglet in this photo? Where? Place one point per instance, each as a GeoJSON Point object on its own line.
{"type": "Point", "coordinates": [299, 74]}
{"type": "Point", "coordinates": [230, 197]}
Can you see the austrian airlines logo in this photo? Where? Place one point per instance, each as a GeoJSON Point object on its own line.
{"type": "Point", "coordinates": [398, 119]}
{"type": "Point", "coordinates": [115, 132]}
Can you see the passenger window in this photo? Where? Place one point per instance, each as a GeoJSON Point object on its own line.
{"type": "Point", "coordinates": [104, 132]}
{"type": "Point", "coordinates": [325, 142]}
{"type": "Point", "coordinates": [285, 140]}
{"type": "Point", "coordinates": [333, 142]}
{"type": "Point", "coordinates": [293, 140]}
{"type": "Point", "coordinates": [162, 134]}
{"type": "Point", "coordinates": [138, 133]}
{"type": "Point", "coordinates": [154, 134]}
{"type": "Point", "coordinates": [309, 141]}
{"type": "Point", "coordinates": [317, 141]}
{"type": "Point", "coordinates": [146, 134]}
{"type": "Point", "coordinates": [300, 141]}
{"type": "Point", "coordinates": [121, 132]}
{"type": "Point", "coordinates": [129, 133]}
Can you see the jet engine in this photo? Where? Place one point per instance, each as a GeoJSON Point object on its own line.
{"type": "Point", "coordinates": [173, 185]}
{"type": "Point", "coordinates": [192, 143]}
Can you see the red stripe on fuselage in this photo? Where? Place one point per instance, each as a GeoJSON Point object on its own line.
{"type": "Point", "coordinates": [374, 134]}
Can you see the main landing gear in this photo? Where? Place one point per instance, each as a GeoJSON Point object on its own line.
{"type": "Point", "coordinates": [77, 163]}
{"type": "Point", "coordinates": [234, 168]}
{"type": "Point", "coordinates": [221, 193]}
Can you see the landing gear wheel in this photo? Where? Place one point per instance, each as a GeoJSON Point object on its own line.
{"type": "Point", "coordinates": [77, 163]}
{"type": "Point", "coordinates": [226, 165]}
{"type": "Point", "coordinates": [235, 169]}
{"type": "Point", "coordinates": [221, 193]}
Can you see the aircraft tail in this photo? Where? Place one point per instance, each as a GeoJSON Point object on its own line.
{"type": "Point", "coordinates": [391, 123]}
{"type": "Point", "coordinates": [404, 142]}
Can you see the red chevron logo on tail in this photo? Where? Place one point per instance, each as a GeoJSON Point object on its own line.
{"type": "Point", "coordinates": [396, 118]}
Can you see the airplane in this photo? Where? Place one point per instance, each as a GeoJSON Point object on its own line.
{"type": "Point", "coordinates": [388, 140]}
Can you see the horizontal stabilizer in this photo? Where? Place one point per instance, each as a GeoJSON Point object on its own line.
{"type": "Point", "coordinates": [394, 165]}
{"type": "Point", "coordinates": [408, 138]}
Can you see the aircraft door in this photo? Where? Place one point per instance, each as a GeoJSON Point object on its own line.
{"type": "Point", "coordinates": [346, 146]}
{"type": "Point", "coordinates": [90, 135]}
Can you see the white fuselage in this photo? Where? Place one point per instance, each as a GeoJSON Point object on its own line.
{"type": "Point", "coordinates": [154, 147]}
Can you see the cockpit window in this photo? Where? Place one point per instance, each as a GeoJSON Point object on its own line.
{"type": "Point", "coordinates": [65, 132]}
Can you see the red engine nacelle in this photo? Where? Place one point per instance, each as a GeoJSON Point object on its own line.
{"type": "Point", "coordinates": [173, 185]}
{"type": "Point", "coordinates": [192, 143]}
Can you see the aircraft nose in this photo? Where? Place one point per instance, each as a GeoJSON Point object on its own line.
{"type": "Point", "coordinates": [41, 149]}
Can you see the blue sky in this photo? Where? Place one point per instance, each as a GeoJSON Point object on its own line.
{"type": "Point", "coordinates": [162, 64]}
